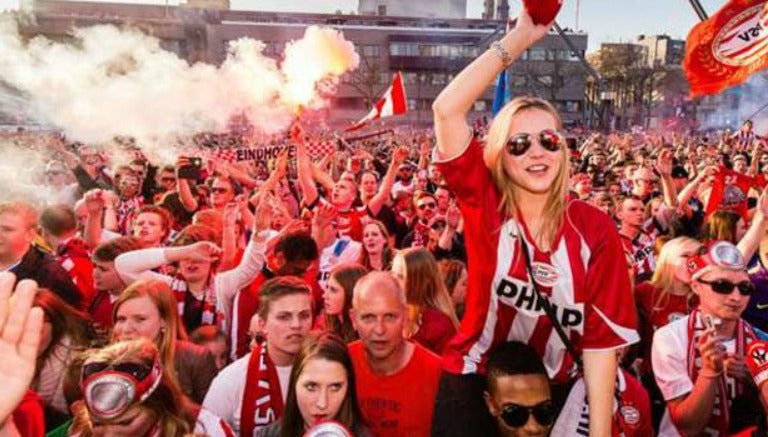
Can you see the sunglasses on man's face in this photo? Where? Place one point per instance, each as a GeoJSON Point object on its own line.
{"type": "Point", "coordinates": [515, 415]}
{"type": "Point", "coordinates": [722, 286]}
{"type": "Point", "coordinates": [426, 205]}
{"type": "Point", "coordinates": [549, 139]}
{"type": "Point", "coordinates": [219, 190]}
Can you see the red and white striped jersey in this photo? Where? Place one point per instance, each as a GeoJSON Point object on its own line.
{"type": "Point", "coordinates": [641, 250]}
{"type": "Point", "coordinates": [585, 276]}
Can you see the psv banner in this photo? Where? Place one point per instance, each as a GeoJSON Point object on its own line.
{"type": "Point", "coordinates": [729, 192]}
{"type": "Point", "coordinates": [726, 49]}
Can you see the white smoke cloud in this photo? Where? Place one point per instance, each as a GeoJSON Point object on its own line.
{"type": "Point", "coordinates": [109, 81]}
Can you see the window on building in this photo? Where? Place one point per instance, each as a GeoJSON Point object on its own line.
{"type": "Point", "coordinates": [382, 10]}
{"type": "Point", "coordinates": [413, 104]}
{"type": "Point", "coordinates": [349, 103]}
{"type": "Point", "coordinates": [371, 51]}
{"type": "Point", "coordinates": [410, 78]}
{"type": "Point", "coordinates": [566, 55]}
{"type": "Point", "coordinates": [519, 81]}
{"type": "Point", "coordinates": [537, 54]}
{"type": "Point", "coordinates": [438, 79]}
{"type": "Point", "coordinates": [572, 106]}
{"type": "Point", "coordinates": [545, 79]}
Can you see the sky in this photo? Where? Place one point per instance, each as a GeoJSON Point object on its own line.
{"type": "Point", "coordinates": [603, 20]}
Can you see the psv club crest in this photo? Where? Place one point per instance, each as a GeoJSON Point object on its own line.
{"type": "Point", "coordinates": [726, 49]}
{"type": "Point", "coordinates": [743, 39]}
{"type": "Point", "coordinates": [544, 274]}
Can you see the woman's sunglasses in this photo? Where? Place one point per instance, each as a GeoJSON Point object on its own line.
{"type": "Point", "coordinates": [549, 139]}
{"type": "Point", "coordinates": [515, 415]}
{"type": "Point", "coordinates": [721, 286]}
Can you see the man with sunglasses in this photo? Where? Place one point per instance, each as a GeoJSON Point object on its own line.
{"type": "Point", "coordinates": [698, 361]}
{"type": "Point", "coordinates": [425, 208]}
{"type": "Point", "coordinates": [518, 394]}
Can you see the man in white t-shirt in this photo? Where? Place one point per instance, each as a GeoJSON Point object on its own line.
{"type": "Point", "coordinates": [698, 361]}
{"type": "Point", "coordinates": [334, 248]}
{"type": "Point", "coordinates": [249, 394]}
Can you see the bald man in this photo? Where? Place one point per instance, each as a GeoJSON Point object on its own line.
{"type": "Point", "coordinates": [396, 379]}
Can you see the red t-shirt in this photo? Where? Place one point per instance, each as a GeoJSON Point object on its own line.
{"type": "Point", "coordinates": [101, 310]}
{"type": "Point", "coordinates": [435, 331]}
{"type": "Point", "coordinates": [585, 276]}
{"type": "Point", "coordinates": [400, 404]}
{"type": "Point", "coordinates": [657, 312]}
{"type": "Point", "coordinates": [76, 260]}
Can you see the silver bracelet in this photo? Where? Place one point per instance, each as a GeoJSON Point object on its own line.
{"type": "Point", "coordinates": [502, 53]}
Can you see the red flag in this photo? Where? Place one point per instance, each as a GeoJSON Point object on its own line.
{"type": "Point", "coordinates": [391, 103]}
{"type": "Point", "coordinates": [726, 49]}
{"type": "Point", "coordinates": [729, 192]}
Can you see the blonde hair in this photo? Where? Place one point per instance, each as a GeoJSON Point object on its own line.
{"type": "Point", "coordinates": [166, 404]}
{"type": "Point", "coordinates": [670, 253]}
{"type": "Point", "coordinates": [27, 212]}
{"type": "Point", "coordinates": [496, 143]}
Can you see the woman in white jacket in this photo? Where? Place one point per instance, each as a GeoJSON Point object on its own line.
{"type": "Point", "coordinates": [203, 294]}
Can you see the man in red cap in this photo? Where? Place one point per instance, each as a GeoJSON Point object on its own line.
{"type": "Point", "coordinates": [698, 361]}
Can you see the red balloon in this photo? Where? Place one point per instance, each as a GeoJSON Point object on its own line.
{"type": "Point", "coordinates": [543, 11]}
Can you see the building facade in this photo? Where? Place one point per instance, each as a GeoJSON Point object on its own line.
{"type": "Point", "coordinates": [428, 51]}
{"type": "Point", "coordinates": [456, 9]}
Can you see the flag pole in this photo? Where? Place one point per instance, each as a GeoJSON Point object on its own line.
{"type": "Point", "coordinates": [699, 10]}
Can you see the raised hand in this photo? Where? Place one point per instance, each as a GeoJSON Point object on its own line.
{"type": "Point", "coordinates": [281, 164]}
{"type": "Point", "coordinates": [324, 215]}
{"type": "Point", "coordinates": [712, 351]}
{"type": "Point", "coordinates": [20, 330]}
{"type": "Point", "coordinates": [262, 219]}
{"type": "Point", "coordinates": [453, 216]}
{"type": "Point", "coordinates": [230, 214]}
{"type": "Point", "coordinates": [762, 203]}
{"type": "Point", "coordinates": [203, 251]}
{"type": "Point", "coordinates": [297, 133]}
{"type": "Point", "coordinates": [95, 201]}
{"type": "Point", "coordinates": [400, 155]}
{"type": "Point", "coordinates": [664, 164]}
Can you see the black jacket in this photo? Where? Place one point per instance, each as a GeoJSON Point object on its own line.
{"type": "Point", "coordinates": [49, 274]}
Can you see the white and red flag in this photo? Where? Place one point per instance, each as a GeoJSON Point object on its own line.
{"type": "Point", "coordinates": [393, 102]}
{"type": "Point", "coordinates": [728, 48]}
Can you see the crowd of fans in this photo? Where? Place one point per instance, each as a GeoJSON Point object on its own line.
{"type": "Point", "coordinates": [508, 278]}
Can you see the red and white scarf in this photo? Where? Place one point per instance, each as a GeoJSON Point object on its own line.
{"type": "Point", "coordinates": [719, 418]}
{"type": "Point", "coordinates": [263, 400]}
{"type": "Point", "coordinates": [210, 316]}
{"type": "Point", "coordinates": [125, 210]}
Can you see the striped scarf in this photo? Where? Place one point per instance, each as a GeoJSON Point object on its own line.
{"type": "Point", "coordinates": [719, 418]}
{"type": "Point", "coordinates": [210, 316]}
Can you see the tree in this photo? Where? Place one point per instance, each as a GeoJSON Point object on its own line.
{"type": "Point", "coordinates": [366, 79]}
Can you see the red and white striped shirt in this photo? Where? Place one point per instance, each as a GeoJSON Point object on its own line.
{"type": "Point", "coordinates": [641, 250]}
{"type": "Point", "coordinates": [585, 277]}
